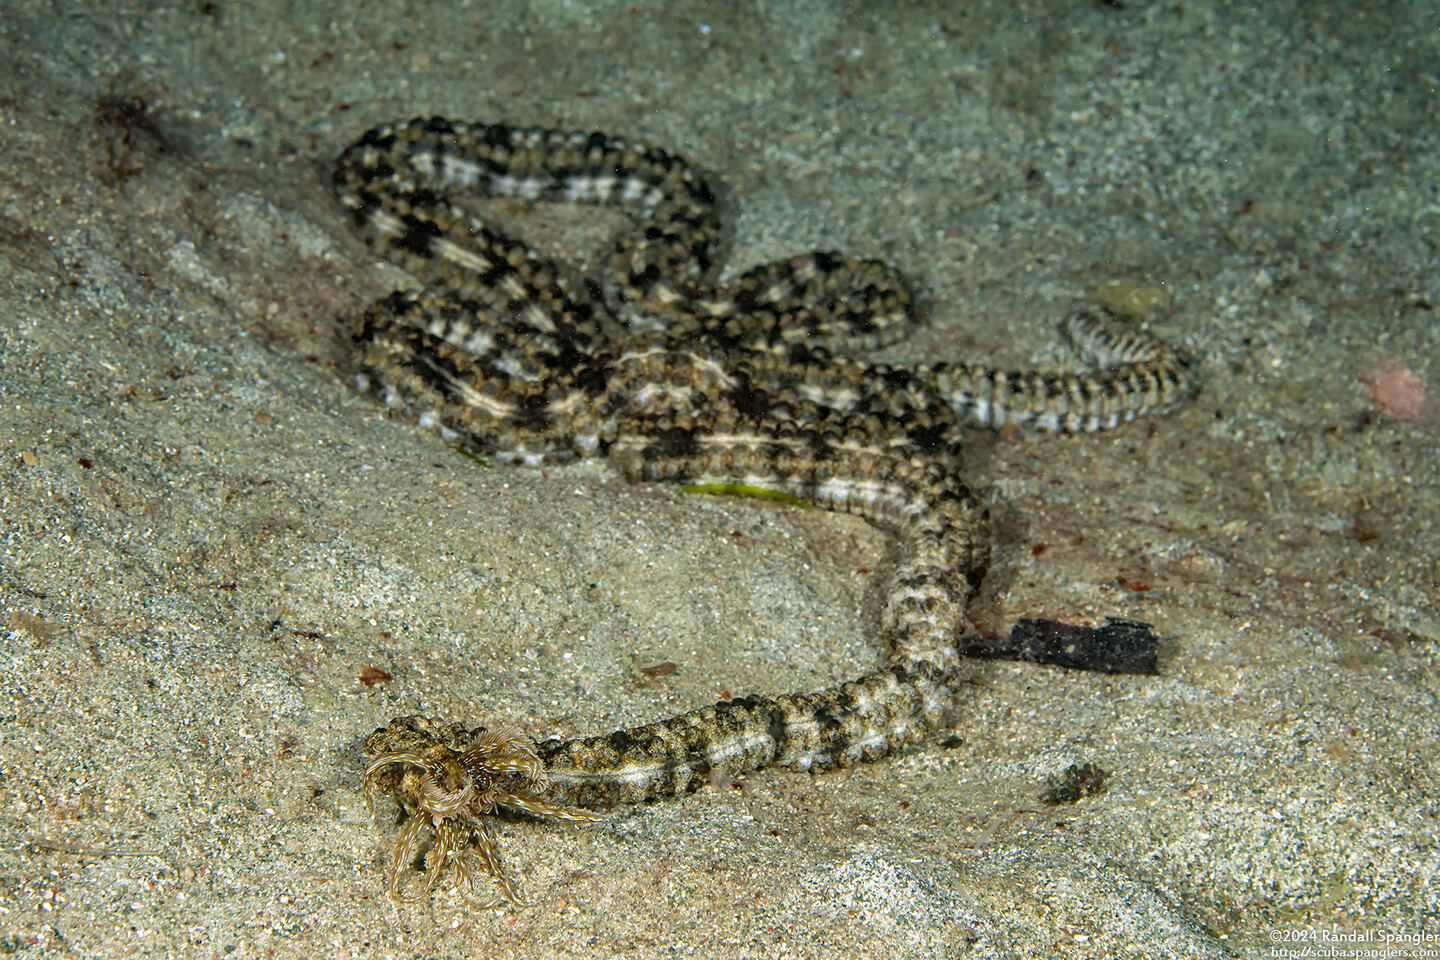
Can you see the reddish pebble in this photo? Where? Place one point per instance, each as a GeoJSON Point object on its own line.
{"type": "Point", "coordinates": [1397, 391]}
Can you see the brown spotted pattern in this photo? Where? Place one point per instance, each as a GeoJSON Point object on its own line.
{"type": "Point", "coordinates": [675, 377]}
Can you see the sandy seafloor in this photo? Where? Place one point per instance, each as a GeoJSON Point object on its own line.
{"type": "Point", "coordinates": [208, 536]}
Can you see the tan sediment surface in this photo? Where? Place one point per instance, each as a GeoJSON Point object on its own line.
{"type": "Point", "coordinates": [208, 538]}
